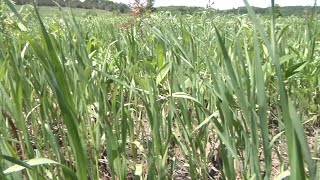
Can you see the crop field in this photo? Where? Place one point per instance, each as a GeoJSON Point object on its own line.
{"type": "Point", "coordinates": [157, 96]}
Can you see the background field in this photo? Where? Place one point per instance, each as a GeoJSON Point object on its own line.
{"type": "Point", "coordinates": [49, 11]}
{"type": "Point", "coordinates": [158, 96]}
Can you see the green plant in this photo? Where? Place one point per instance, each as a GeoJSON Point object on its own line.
{"type": "Point", "coordinates": [175, 96]}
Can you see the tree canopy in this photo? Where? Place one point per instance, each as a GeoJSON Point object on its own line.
{"type": "Point", "coordinates": [87, 4]}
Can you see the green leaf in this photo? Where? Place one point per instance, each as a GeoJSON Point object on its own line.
{"type": "Point", "coordinates": [295, 69]}
{"type": "Point", "coordinates": [286, 58]}
{"type": "Point", "coordinates": [186, 96]}
{"type": "Point", "coordinates": [15, 161]}
{"type": "Point", "coordinates": [301, 140]}
{"type": "Point", "coordinates": [163, 73]}
{"type": "Point", "coordinates": [206, 121]}
{"type": "Point", "coordinates": [3, 69]}
{"type": "Point", "coordinates": [20, 165]}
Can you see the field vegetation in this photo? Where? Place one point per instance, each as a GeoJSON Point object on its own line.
{"type": "Point", "coordinates": [158, 96]}
{"type": "Point", "coordinates": [102, 5]}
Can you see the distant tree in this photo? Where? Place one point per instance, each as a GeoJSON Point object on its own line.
{"type": "Point", "coordinates": [210, 3]}
{"type": "Point", "coordinates": [277, 10]}
{"type": "Point", "coordinates": [139, 8]}
{"type": "Point", "coordinates": [150, 5]}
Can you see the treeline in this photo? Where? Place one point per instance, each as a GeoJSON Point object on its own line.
{"type": "Point", "coordinates": [180, 9]}
{"type": "Point", "coordinates": [123, 8]}
{"type": "Point", "coordinates": [283, 11]}
{"type": "Point", "coordinates": [88, 4]}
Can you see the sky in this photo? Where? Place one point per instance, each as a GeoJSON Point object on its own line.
{"type": "Point", "coordinates": [226, 4]}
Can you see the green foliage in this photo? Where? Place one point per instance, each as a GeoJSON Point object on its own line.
{"type": "Point", "coordinates": [150, 5]}
{"type": "Point", "coordinates": [88, 4]}
{"type": "Point", "coordinates": [283, 11]}
{"type": "Point", "coordinates": [88, 97]}
{"type": "Point", "coordinates": [180, 9]}
{"type": "Point", "coordinates": [91, 13]}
